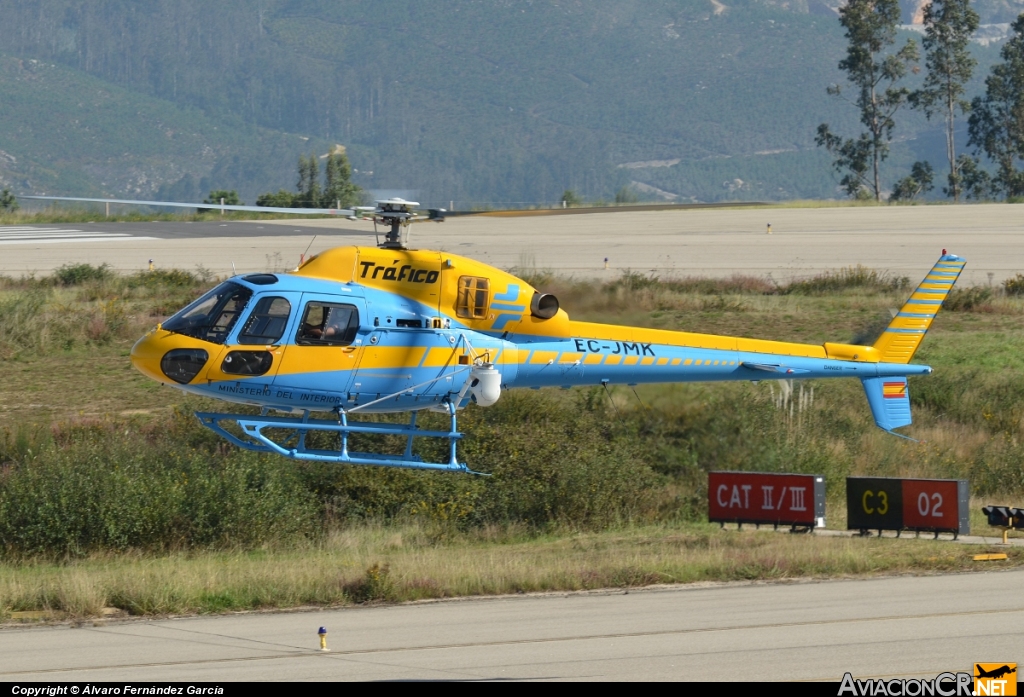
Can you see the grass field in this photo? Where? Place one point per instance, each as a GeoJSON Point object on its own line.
{"type": "Point", "coordinates": [112, 496]}
{"type": "Point", "coordinates": [401, 563]}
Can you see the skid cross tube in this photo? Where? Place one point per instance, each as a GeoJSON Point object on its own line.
{"type": "Point", "coordinates": [255, 439]}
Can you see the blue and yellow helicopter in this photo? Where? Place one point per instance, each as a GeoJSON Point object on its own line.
{"type": "Point", "coordinates": [371, 330]}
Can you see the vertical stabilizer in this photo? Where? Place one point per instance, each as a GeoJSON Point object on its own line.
{"type": "Point", "coordinates": [901, 338]}
{"type": "Point", "coordinates": [889, 400]}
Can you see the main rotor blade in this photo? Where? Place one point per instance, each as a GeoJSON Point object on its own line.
{"type": "Point", "coordinates": [210, 206]}
{"type": "Point", "coordinates": [439, 214]}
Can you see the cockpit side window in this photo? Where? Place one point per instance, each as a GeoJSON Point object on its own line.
{"type": "Point", "coordinates": [328, 324]}
{"type": "Point", "coordinates": [212, 317]}
{"type": "Point", "coordinates": [471, 302]}
{"type": "Point", "coordinates": [267, 321]}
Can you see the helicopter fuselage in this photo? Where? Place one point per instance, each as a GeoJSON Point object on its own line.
{"type": "Point", "coordinates": [401, 330]}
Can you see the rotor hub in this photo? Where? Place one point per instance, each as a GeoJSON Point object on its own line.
{"type": "Point", "coordinates": [396, 214]}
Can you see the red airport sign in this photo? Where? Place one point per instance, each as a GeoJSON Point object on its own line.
{"type": "Point", "coordinates": [923, 505]}
{"type": "Point", "coordinates": [762, 498]}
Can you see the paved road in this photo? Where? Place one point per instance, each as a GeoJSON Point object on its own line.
{"type": "Point", "coordinates": [901, 240]}
{"type": "Point", "coordinates": [904, 626]}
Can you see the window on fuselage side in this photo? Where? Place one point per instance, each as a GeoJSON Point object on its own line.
{"type": "Point", "coordinates": [267, 322]}
{"type": "Point", "coordinates": [472, 299]}
{"type": "Point", "coordinates": [328, 324]}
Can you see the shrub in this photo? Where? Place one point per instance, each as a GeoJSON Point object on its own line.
{"type": "Point", "coordinates": [175, 278]}
{"type": "Point", "coordinates": [99, 487]}
{"type": "Point", "coordinates": [747, 285]}
{"type": "Point", "coordinates": [968, 299]}
{"type": "Point", "coordinates": [633, 281]}
{"type": "Point", "coordinates": [77, 274]}
{"type": "Point", "coordinates": [375, 585]}
{"type": "Point", "coordinates": [858, 277]}
{"type": "Point", "coordinates": [1015, 285]}
{"type": "Point", "coordinates": [535, 479]}
{"type": "Point", "coordinates": [23, 320]}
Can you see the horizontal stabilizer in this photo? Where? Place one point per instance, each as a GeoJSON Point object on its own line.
{"type": "Point", "coordinates": [889, 400]}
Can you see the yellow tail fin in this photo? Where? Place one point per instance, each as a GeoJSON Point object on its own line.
{"type": "Point", "coordinates": [901, 338]}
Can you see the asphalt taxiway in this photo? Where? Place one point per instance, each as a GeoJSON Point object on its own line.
{"type": "Point", "coordinates": [903, 240]}
{"type": "Point", "coordinates": [886, 627]}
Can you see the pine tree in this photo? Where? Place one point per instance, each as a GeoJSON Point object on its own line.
{"type": "Point", "coordinates": [996, 124]}
{"type": "Point", "coordinates": [309, 182]}
{"type": "Point", "coordinates": [338, 186]}
{"type": "Point", "coordinates": [871, 29]}
{"type": "Point", "coordinates": [8, 203]}
{"type": "Point", "coordinates": [570, 199]}
{"type": "Point", "coordinates": [949, 25]}
{"type": "Point", "coordinates": [339, 191]}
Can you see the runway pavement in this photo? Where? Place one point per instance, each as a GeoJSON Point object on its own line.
{"type": "Point", "coordinates": [903, 626]}
{"type": "Point", "coordinates": [718, 242]}
{"type": "Point", "coordinates": [219, 247]}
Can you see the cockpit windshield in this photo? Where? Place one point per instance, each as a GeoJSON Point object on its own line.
{"type": "Point", "coordinates": [212, 316]}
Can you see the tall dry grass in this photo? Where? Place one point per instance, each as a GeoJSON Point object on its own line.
{"type": "Point", "coordinates": [385, 563]}
{"type": "Point", "coordinates": [84, 305]}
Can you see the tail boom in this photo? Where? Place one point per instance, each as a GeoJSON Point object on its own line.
{"type": "Point", "coordinates": [604, 354]}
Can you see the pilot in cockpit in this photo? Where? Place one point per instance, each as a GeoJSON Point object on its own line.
{"type": "Point", "coordinates": [333, 326]}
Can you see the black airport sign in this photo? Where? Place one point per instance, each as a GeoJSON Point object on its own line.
{"type": "Point", "coordinates": [924, 505]}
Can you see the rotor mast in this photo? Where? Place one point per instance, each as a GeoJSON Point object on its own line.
{"type": "Point", "coordinates": [398, 214]}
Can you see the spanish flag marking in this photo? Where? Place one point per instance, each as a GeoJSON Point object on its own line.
{"type": "Point", "coordinates": [894, 390]}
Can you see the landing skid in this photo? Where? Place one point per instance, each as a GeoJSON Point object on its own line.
{"type": "Point", "coordinates": [293, 445]}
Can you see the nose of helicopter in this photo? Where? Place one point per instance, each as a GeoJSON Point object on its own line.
{"type": "Point", "coordinates": [146, 355]}
{"type": "Point", "coordinates": [169, 357]}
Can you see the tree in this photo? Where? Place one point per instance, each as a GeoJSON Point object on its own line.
{"type": "Point", "coordinates": [230, 198]}
{"type": "Point", "coordinates": [919, 182]}
{"type": "Point", "coordinates": [626, 195]}
{"type": "Point", "coordinates": [976, 182]}
{"type": "Point", "coordinates": [570, 198]}
{"type": "Point", "coordinates": [339, 191]}
{"type": "Point", "coordinates": [303, 184]}
{"type": "Point", "coordinates": [281, 199]}
{"type": "Point", "coordinates": [871, 29]}
{"type": "Point", "coordinates": [8, 202]}
{"type": "Point", "coordinates": [309, 183]}
{"type": "Point", "coordinates": [949, 25]}
{"type": "Point", "coordinates": [996, 124]}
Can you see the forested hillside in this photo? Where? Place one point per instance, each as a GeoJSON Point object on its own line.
{"type": "Point", "coordinates": [477, 101]}
{"type": "Point", "coordinates": [65, 132]}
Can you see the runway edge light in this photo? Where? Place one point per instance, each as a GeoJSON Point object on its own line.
{"type": "Point", "coordinates": [322, 632]}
